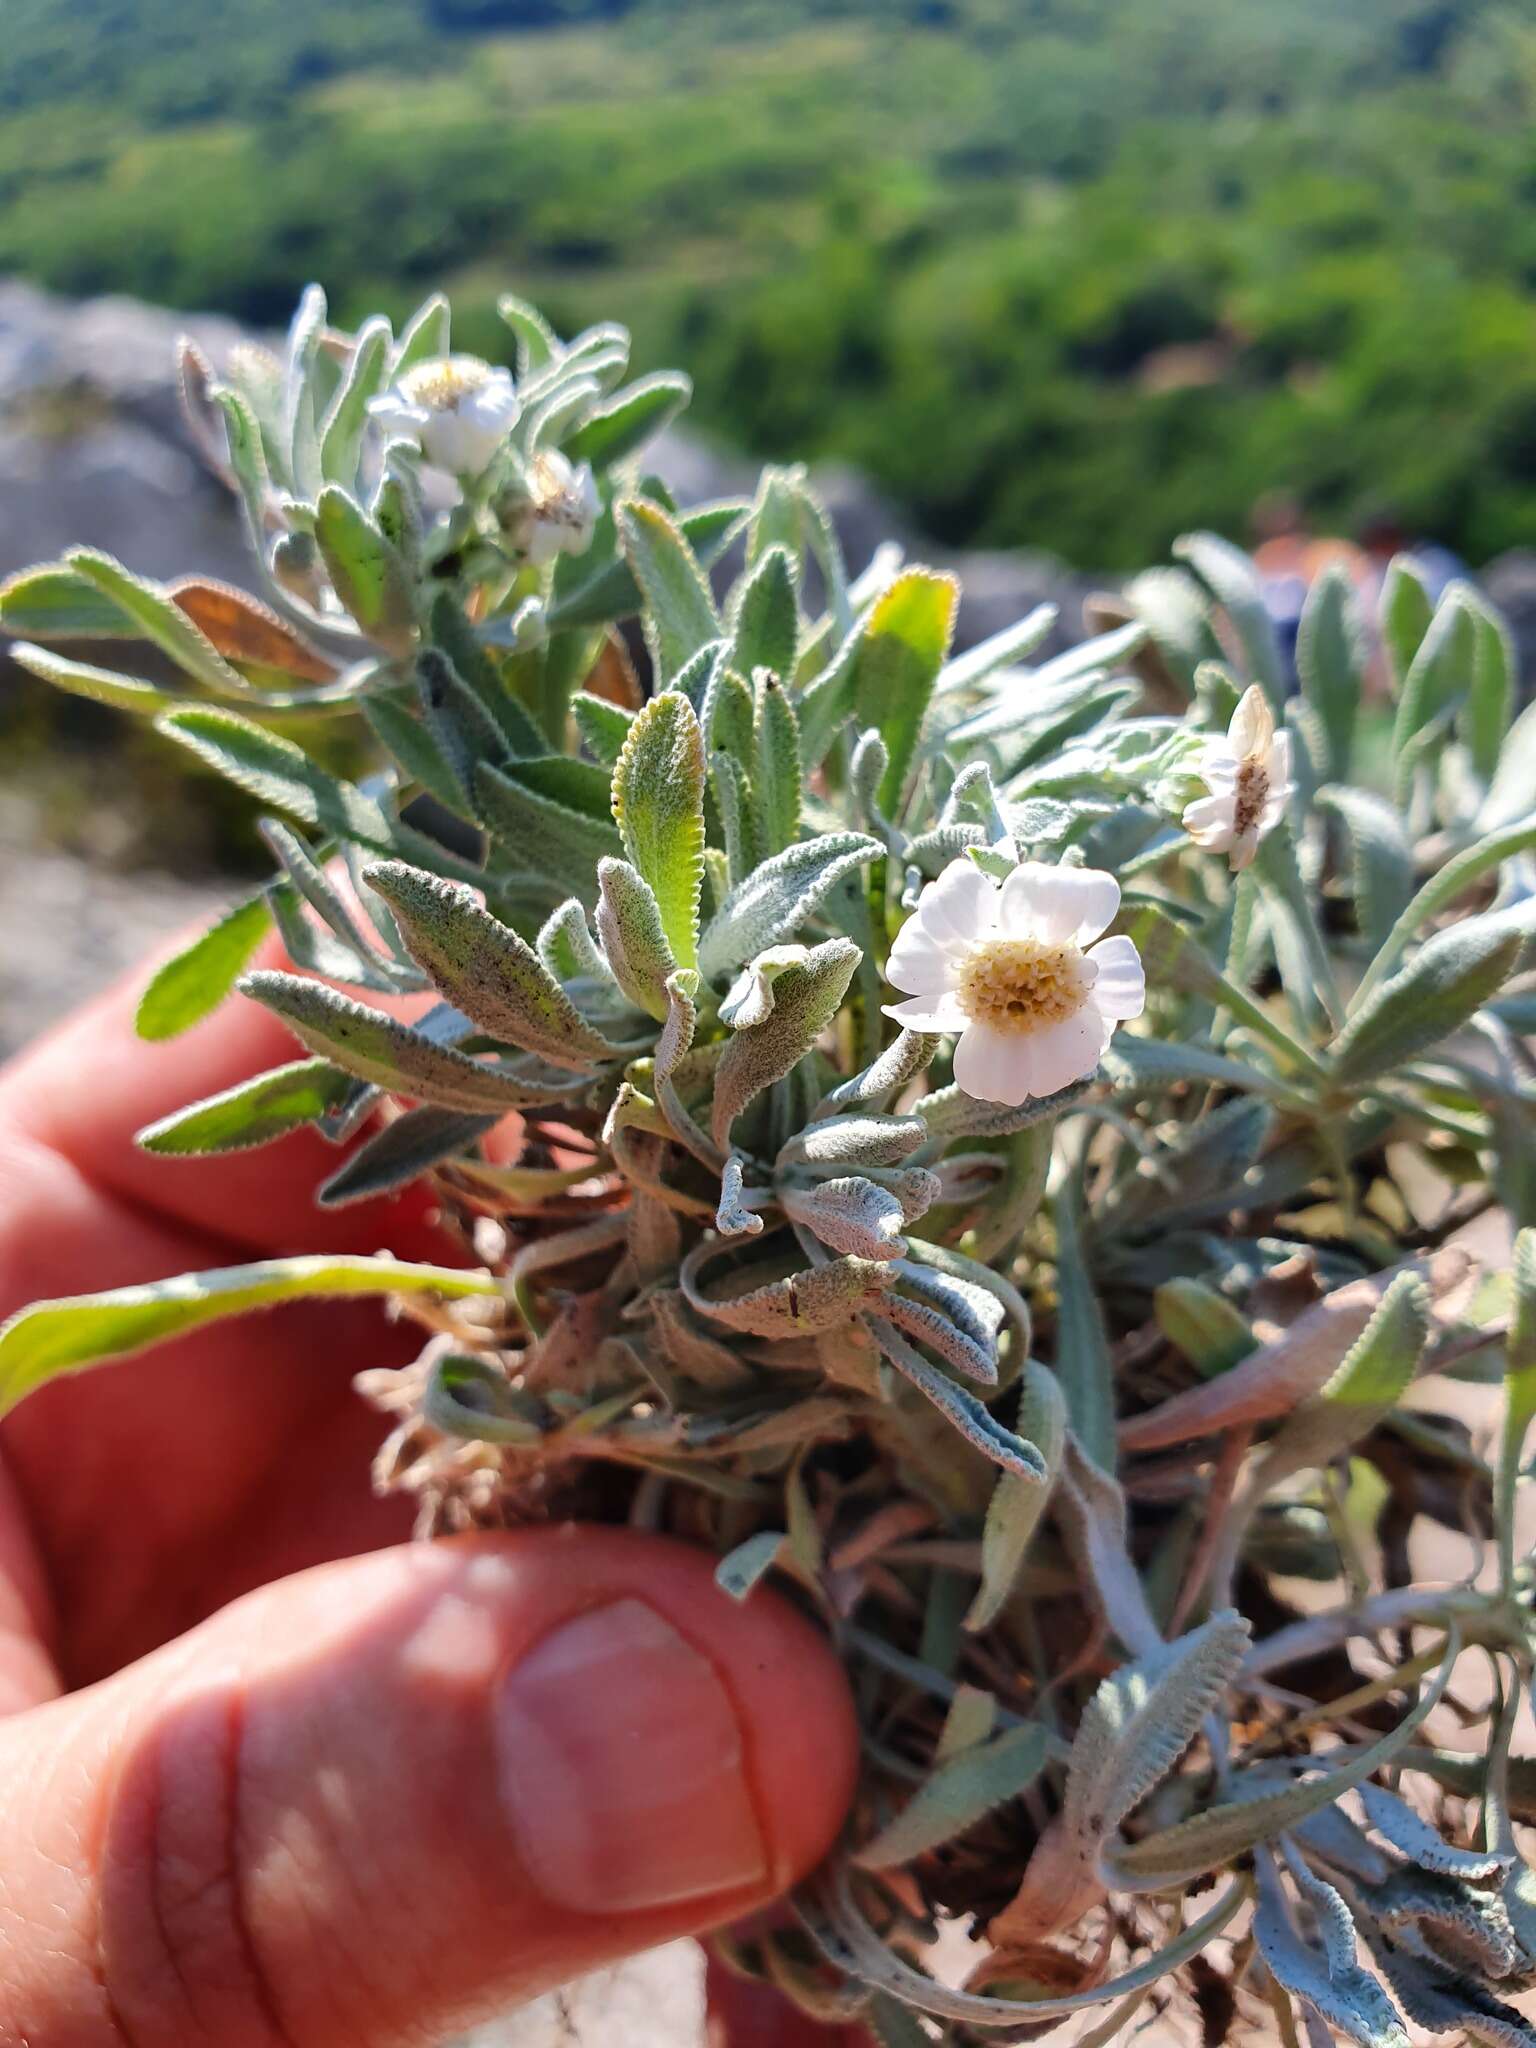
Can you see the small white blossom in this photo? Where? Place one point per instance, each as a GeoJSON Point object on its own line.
{"type": "Point", "coordinates": [457, 409]}
{"type": "Point", "coordinates": [1249, 776]}
{"type": "Point", "coordinates": [1012, 970]}
{"type": "Point", "coordinates": [559, 512]}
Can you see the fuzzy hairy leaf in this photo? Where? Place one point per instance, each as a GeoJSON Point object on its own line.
{"type": "Point", "coordinates": [807, 996]}
{"type": "Point", "coordinates": [900, 652]}
{"type": "Point", "coordinates": [1444, 985]}
{"type": "Point", "coordinates": [629, 925]}
{"type": "Point", "coordinates": [614, 431]}
{"type": "Point", "coordinates": [775, 901]}
{"type": "Point", "coordinates": [1330, 659]}
{"type": "Point", "coordinates": [850, 1215]}
{"type": "Point", "coordinates": [658, 805]}
{"type": "Point", "coordinates": [150, 611]}
{"type": "Point", "coordinates": [766, 628]}
{"type": "Point", "coordinates": [680, 612]}
{"type": "Point", "coordinates": [822, 1299]}
{"type": "Point", "coordinates": [1229, 575]}
{"type": "Point", "coordinates": [1407, 1831]}
{"type": "Point", "coordinates": [52, 1338]}
{"type": "Point", "coordinates": [195, 980]}
{"type": "Point", "coordinates": [1348, 1997]}
{"type": "Point", "coordinates": [400, 1152]}
{"type": "Point", "coordinates": [1017, 1503]}
{"type": "Point", "coordinates": [251, 1113]}
{"type": "Point", "coordinates": [1082, 1346]}
{"type": "Point", "coordinates": [957, 1795]}
{"type": "Point", "coordinates": [1383, 859]}
{"type": "Point", "coordinates": [1211, 1333]}
{"type": "Point", "coordinates": [481, 965]}
{"type": "Point", "coordinates": [543, 834]}
{"type": "Point", "coordinates": [777, 774]}
{"type": "Point", "coordinates": [369, 577]}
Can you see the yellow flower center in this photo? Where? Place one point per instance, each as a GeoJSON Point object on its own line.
{"type": "Point", "coordinates": [443, 384]}
{"type": "Point", "coordinates": [1022, 984]}
{"type": "Point", "coordinates": [1251, 794]}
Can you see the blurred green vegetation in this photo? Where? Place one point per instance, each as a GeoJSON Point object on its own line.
{"type": "Point", "coordinates": [1072, 273]}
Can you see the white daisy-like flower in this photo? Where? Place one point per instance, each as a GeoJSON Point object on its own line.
{"type": "Point", "coordinates": [1249, 776]}
{"type": "Point", "coordinates": [560, 510]}
{"type": "Point", "coordinates": [457, 409]}
{"type": "Point", "coordinates": [1012, 969]}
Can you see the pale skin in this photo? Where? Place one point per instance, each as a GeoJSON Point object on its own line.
{"type": "Point", "coordinates": [254, 1782]}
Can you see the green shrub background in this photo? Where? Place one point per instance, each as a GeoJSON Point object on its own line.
{"type": "Point", "coordinates": [950, 240]}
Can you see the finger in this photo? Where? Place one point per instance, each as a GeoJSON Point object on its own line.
{"type": "Point", "coordinates": [387, 1799]}
{"type": "Point", "coordinates": [90, 1085]}
{"type": "Point", "coordinates": [746, 2014]}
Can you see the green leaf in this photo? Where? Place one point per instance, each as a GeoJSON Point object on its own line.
{"type": "Point", "coordinates": [378, 1049]}
{"type": "Point", "coordinates": [1443, 888]}
{"type": "Point", "coordinates": [481, 965]}
{"type": "Point", "coordinates": [537, 343]}
{"type": "Point", "coordinates": [1174, 959]}
{"type": "Point", "coordinates": [55, 602]}
{"type": "Point", "coordinates": [1509, 798]}
{"type": "Point", "coordinates": [253, 1112]}
{"type": "Point", "coordinates": [777, 778]}
{"type": "Point", "coordinates": [1441, 670]}
{"type": "Point", "coordinates": [341, 435]}
{"type": "Point", "coordinates": [415, 748]}
{"type": "Point", "coordinates": [1203, 1324]}
{"type": "Point", "coordinates": [56, 1337]}
{"type": "Point", "coordinates": [543, 835]}
{"type": "Point", "coordinates": [1404, 612]}
{"type": "Point", "coordinates": [404, 1149]}
{"type": "Point", "coordinates": [775, 901]}
{"type": "Point", "coordinates": [1383, 859]}
{"type": "Point", "coordinates": [1366, 1385]}
{"type": "Point", "coordinates": [1229, 576]}
{"type": "Point", "coordinates": [1491, 698]}
{"type": "Point", "coordinates": [1017, 1503]}
{"type": "Point", "coordinates": [749, 1563]}
{"type": "Point", "coordinates": [900, 652]}
{"type": "Point", "coordinates": [595, 592]}
{"type": "Point", "coordinates": [103, 685]}
{"type": "Point", "coordinates": [806, 997]}
{"type": "Point", "coordinates": [680, 615]}
{"type": "Point", "coordinates": [629, 925]}
{"type": "Point", "coordinates": [611, 432]}
{"type": "Point", "coordinates": [766, 632]}
{"type": "Point", "coordinates": [1330, 658]}
{"type": "Point", "coordinates": [151, 612]}
{"type": "Point", "coordinates": [604, 727]}
{"type": "Point", "coordinates": [1445, 984]}
{"type": "Point", "coordinates": [423, 337]}
{"type": "Point", "coordinates": [1082, 1345]}
{"type": "Point", "coordinates": [185, 988]}
{"type": "Point", "coordinates": [366, 569]}
{"type": "Point", "coordinates": [959, 1794]}
{"type": "Point", "coordinates": [476, 668]}
{"type": "Point", "coordinates": [658, 804]}
{"type": "Point", "coordinates": [1519, 1398]}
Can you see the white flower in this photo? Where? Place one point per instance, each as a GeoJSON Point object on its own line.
{"type": "Point", "coordinates": [457, 409]}
{"type": "Point", "coordinates": [559, 512]}
{"type": "Point", "coordinates": [1249, 776]}
{"type": "Point", "coordinates": [1012, 971]}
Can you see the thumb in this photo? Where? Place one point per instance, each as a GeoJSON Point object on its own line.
{"type": "Point", "coordinates": [392, 1796]}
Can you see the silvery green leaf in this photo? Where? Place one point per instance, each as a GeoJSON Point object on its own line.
{"type": "Point", "coordinates": [196, 979]}
{"type": "Point", "coordinates": [975, 1359]}
{"type": "Point", "coordinates": [1509, 794]}
{"type": "Point", "coordinates": [658, 804]}
{"type": "Point", "coordinates": [612, 432]}
{"type": "Point", "coordinates": [765, 623]}
{"type": "Point", "coordinates": [742, 1568]}
{"type": "Point", "coordinates": [732, 1217]}
{"type": "Point", "coordinates": [1334, 1921]}
{"type": "Point", "coordinates": [839, 1142]}
{"type": "Point", "coordinates": [777, 777]}
{"type": "Point", "coordinates": [951, 1113]}
{"type": "Point", "coordinates": [1348, 1998]}
{"type": "Point", "coordinates": [1330, 659]}
{"type": "Point", "coordinates": [54, 602]}
{"type": "Point", "coordinates": [475, 666]}
{"type": "Point", "coordinates": [901, 650]}
{"type": "Point", "coordinates": [101, 685]}
{"type": "Point", "coordinates": [149, 611]}
{"type": "Point", "coordinates": [540, 829]}
{"type": "Point", "coordinates": [1491, 695]}
{"type": "Point", "coordinates": [1331, 1834]}
{"type": "Point", "coordinates": [1404, 610]}
{"type": "Point", "coordinates": [468, 1398]}
{"type": "Point", "coordinates": [1211, 1333]}
{"type": "Point", "coordinates": [423, 336]}
{"type": "Point", "coordinates": [851, 1215]}
{"type": "Point", "coordinates": [1463, 1923]}
{"type": "Point", "coordinates": [379, 1049]}
{"type": "Point", "coordinates": [596, 589]}
{"type": "Point", "coordinates": [689, 1350]}
{"type": "Point", "coordinates": [906, 1057]}
{"type": "Point", "coordinates": [979, 664]}
{"type": "Point", "coordinates": [376, 970]}
{"type": "Point", "coordinates": [401, 1152]}
{"type": "Point", "coordinates": [732, 793]}
{"type": "Point", "coordinates": [52, 1338]}
{"type": "Point", "coordinates": [1229, 575]}
{"type": "Point", "coordinates": [537, 343]}
{"type": "Point", "coordinates": [1383, 859]}
{"type": "Point", "coordinates": [1396, 1820]}
{"type": "Point", "coordinates": [1200, 1172]}
{"type": "Point", "coordinates": [1212, 1839]}
{"type": "Point", "coordinates": [821, 1299]}
{"type": "Point", "coordinates": [604, 727]}
{"type": "Point", "coordinates": [828, 700]}
{"type": "Point", "coordinates": [253, 1112]}
{"type": "Point", "coordinates": [567, 949]}
{"type": "Point", "coordinates": [415, 748]}
{"type": "Point", "coordinates": [807, 996]}
{"type": "Point", "coordinates": [1444, 2001]}
{"type": "Point", "coordinates": [366, 570]}
{"type": "Point", "coordinates": [774, 902]}
{"type": "Point", "coordinates": [1441, 671]}
{"type": "Point", "coordinates": [749, 999]}
{"type": "Point", "coordinates": [957, 1795]}
{"type": "Point", "coordinates": [1142, 1719]}
{"type": "Point", "coordinates": [1017, 1503]}
{"type": "Point", "coordinates": [1440, 989]}
{"type": "Point", "coordinates": [969, 1416]}
{"type": "Point", "coordinates": [1176, 612]}
{"type": "Point", "coordinates": [1092, 1509]}
{"type": "Point", "coordinates": [494, 977]}
{"type": "Point", "coordinates": [1082, 1346]}
{"type": "Point", "coordinates": [629, 925]}
{"type": "Point", "coordinates": [680, 615]}
{"type": "Point", "coordinates": [341, 432]}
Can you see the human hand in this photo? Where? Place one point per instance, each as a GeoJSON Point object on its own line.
{"type": "Point", "coordinates": [268, 1774]}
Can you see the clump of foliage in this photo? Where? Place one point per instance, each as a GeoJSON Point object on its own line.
{"type": "Point", "coordinates": [989, 1143]}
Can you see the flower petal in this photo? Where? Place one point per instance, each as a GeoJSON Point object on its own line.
{"type": "Point", "coordinates": [1064, 1052]}
{"type": "Point", "coordinates": [1120, 982]}
{"type": "Point", "coordinates": [996, 1066]}
{"type": "Point", "coordinates": [1058, 903]}
{"type": "Point", "coordinates": [960, 905]}
{"type": "Point", "coordinates": [919, 962]}
{"type": "Point", "coordinates": [1253, 723]}
{"type": "Point", "coordinates": [937, 1011]}
{"type": "Point", "coordinates": [1218, 770]}
{"type": "Point", "coordinates": [1243, 847]}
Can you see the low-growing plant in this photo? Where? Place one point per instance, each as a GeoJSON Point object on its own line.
{"type": "Point", "coordinates": [923, 1125]}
